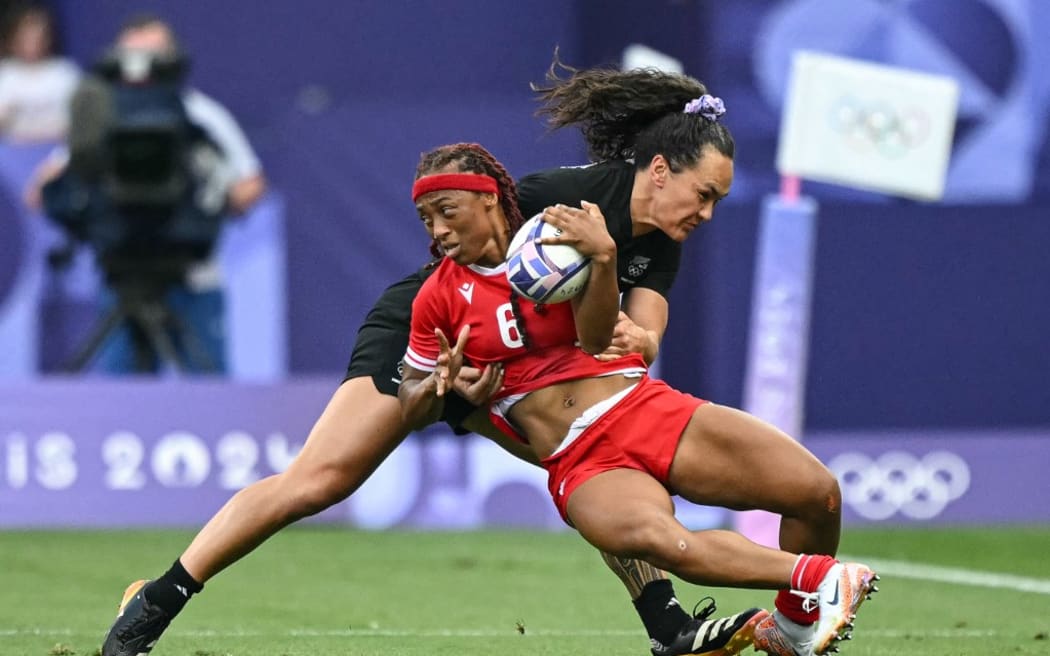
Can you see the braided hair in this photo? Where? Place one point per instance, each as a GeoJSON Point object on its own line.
{"type": "Point", "coordinates": [473, 158]}
{"type": "Point", "coordinates": [631, 114]}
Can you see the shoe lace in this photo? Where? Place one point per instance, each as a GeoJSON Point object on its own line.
{"type": "Point", "coordinates": [705, 612]}
{"type": "Point", "coordinates": [810, 600]}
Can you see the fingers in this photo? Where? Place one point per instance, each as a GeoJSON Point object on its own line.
{"type": "Point", "coordinates": [491, 381]}
{"type": "Point", "coordinates": [441, 371]}
{"type": "Point", "coordinates": [449, 360]}
{"type": "Point", "coordinates": [582, 228]}
{"type": "Point", "coordinates": [561, 217]}
{"type": "Point", "coordinates": [446, 369]}
{"type": "Point", "coordinates": [469, 375]}
{"type": "Point", "coordinates": [461, 340]}
{"type": "Point", "coordinates": [626, 339]}
{"type": "Point", "coordinates": [558, 216]}
{"type": "Point", "coordinates": [478, 389]}
{"type": "Point", "coordinates": [592, 209]}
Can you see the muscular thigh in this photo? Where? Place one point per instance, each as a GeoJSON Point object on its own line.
{"type": "Point", "coordinates": [610, 509]}
{"type": "Point", "coordinates": [355, 433]}
{"type": "Point", "coordinates": [729, 458]}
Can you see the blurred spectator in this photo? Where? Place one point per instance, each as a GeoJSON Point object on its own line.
{"type": "Point", "coordinates": [152, 34]}
{"type": "Point", "coordinates": [198, 299]}
{"type": "Point", "coordinates": [35, 82]}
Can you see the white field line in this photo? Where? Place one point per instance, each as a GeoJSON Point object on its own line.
{"type": "Point", "coordinates": [480, 633]}
{"type": "Point", "coordinates": [887, 568]}
{"type": "Point", "coordinates": [925, 572]}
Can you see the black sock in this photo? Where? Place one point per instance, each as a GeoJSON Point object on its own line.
{"type": "Point", "coordinates": [173, 590]}
{"type": "Point", "coordinates": [660, 612]}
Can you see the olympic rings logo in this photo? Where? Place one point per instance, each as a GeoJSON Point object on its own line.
{"type": "Point", "coordinates": [896, 481]}
{"type": "Point", "coordinates": [892, 132]}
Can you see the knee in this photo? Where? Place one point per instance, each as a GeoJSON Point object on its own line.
{"type": "Point", "coordinates": [659, 541]}
{"type": "Point", "coordinates": [824, 498]}
{"type": "Point", "coordinates": [309, 493]}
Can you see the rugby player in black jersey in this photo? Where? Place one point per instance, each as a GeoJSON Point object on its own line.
{"type": "Point", "coordinates": [644, 145]}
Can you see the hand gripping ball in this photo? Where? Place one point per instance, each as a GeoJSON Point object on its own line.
{"type": "Point", "coordinates": [545, 273]}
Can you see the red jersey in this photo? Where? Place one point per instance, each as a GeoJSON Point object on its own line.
{"type": "Point", "coordinates": [456, 296]}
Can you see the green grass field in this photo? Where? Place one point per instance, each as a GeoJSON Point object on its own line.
{"type": "Point", "coordinates": [331, 591]}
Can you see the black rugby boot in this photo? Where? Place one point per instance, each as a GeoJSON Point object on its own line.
{"type": "Point", "coordinates": [723, 636]}
{"type": "Point", "coordinates": [138, 626]}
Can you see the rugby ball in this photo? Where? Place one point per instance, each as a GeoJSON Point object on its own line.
{"type": "Point", "coordinates": [545, 273]}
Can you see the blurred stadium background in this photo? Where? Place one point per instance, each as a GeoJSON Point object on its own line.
{"type": "Point", "coordinates": [928, 355]}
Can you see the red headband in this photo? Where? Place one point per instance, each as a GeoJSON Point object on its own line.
{"type": "Point", "coordinates": [463, 181]}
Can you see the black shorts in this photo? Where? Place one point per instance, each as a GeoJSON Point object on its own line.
{"type": "Point", "coordinates": [383, 339]}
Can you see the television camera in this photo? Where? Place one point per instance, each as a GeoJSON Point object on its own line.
{"type": "Point", "coordinates": [145, 190]}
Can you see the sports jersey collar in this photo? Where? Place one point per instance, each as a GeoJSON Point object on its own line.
{"type": "Point", "coordinates": [486, 271]}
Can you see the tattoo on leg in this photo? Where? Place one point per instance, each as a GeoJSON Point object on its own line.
{"type": "Point", "coordinates": [635, 574]}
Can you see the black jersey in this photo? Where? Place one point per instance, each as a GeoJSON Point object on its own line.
{"type": "Point", "coordinates": [649, 261]}
{"type": "Point", "coordinates": [383, 336]}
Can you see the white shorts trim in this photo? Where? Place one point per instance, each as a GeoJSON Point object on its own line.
{"type": "Point", "coordinates": [589, 416]}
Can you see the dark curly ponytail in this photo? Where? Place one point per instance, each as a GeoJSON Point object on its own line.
{"type": "Point", "coordinates": [637, 113]}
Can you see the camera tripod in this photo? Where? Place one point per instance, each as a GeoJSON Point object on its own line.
{"type": "Point", "coordinates": [156, 330]}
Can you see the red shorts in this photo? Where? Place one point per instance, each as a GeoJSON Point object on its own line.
{"type": "Point", "coordinates": [640, 432]}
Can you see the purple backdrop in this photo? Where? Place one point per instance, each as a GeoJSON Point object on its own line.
{"type": "Point", "coordinates": [924, 315]}
{"type": "Point", "coordinates": [108, 454]}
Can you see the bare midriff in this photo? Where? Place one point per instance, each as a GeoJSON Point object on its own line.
{"type": "Point", "coordinates": [544, 416]}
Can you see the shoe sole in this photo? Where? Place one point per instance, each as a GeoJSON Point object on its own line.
{"type": "Point", "coordinates": [777, 643]}
{"type": "Point", "coordinates": [129, 594]}
{"type": "Point", "coordinates": [866, 589]}
{"type": "Point", "coordinates": [741, 640]}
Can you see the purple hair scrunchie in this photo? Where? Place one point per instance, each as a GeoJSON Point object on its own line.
{"type": "Point", "coordinates": [708, 106]}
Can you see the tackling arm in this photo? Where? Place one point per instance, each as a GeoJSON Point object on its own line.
{"type": "Point", "coordinates": [648, 311]}
{"type": "Point", "coordinates": [421, 405]}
